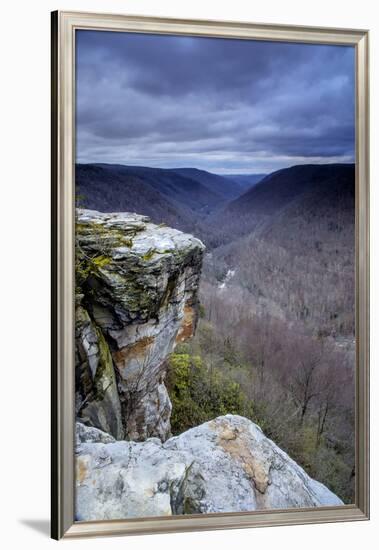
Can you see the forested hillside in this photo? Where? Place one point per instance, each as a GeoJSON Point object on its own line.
{"type": "Point", "coordinates": [183, 198]}
{"type": "Point", "coordinates": [246, 181]}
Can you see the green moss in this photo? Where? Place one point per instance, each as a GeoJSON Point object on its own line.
{"type": "Point", "coordinates": [171, 285]}
{"type": "Point", "coordinates": [101, 261]}
{"type": "Point", "coordinates": [201, 311]}
{"type": "Point", "coordinates": [128, 242]}
{"type": "Point", "coordinates": [108, 236]}
{"type": "Point", "coordinates": [94, 244]}
{"type": "Point", "coordinates": [104, 377]}
{"type": "Point", "coordinates": [149, 254]}
{"type": "Point", "coordinates": [81, 228]}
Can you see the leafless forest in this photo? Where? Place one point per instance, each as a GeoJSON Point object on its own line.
{"type": "Point", "coordinates": [275, 340]}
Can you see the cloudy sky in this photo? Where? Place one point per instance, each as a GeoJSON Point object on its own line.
{"type": "Point", "coordinates": [228, 106]}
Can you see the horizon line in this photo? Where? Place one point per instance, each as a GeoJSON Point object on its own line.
{"type": "Point", "coordinates": [232, 173]}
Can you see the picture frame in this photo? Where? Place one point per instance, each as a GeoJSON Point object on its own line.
{"type": "Point", "coordinates": [64, 27]}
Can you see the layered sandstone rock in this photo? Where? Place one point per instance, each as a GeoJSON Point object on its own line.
{"type": "Point", "coordinates": [225, 465]}
{"type": "Point", "coordinates": [136, 297]}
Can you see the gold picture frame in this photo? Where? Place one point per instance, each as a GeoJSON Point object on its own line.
{"type": "Point", "coordinates": [64, 25]}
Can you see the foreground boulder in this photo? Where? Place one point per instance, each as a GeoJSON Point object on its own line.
{"type": "Point", "coordinates": [137, 286]}
{"type": "Point", "coordinates": [225, 465]}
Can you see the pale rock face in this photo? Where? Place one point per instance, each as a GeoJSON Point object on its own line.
{"type": "Point", "coordinates": [140, 295]}
{"type": "Point", "coordinates": [225, 465]}
{"type": "Point", "coordinates": [97, 398]}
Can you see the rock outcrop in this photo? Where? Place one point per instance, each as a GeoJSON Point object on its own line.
{"type": "Point", "coordinates": [136, 297]}
{"type": "Point", "coordinates": [225, 465]}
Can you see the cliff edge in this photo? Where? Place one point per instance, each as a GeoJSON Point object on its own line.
{"type": "Point", "coordinates": [136, 298]}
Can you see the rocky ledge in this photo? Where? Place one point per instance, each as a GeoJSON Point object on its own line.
{"type": "Point", "coordinates": [136, 298]}
{"type": "Point", "coordinates": [225, 465]}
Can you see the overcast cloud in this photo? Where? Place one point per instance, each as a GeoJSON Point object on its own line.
{"type": "Point", "coordinates": [222, 105]}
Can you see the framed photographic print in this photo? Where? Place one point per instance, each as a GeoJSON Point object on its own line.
{"type": "Point", "coordinates": [210, 275]}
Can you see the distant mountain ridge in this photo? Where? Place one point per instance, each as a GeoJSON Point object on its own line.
{"type": "Point", "coordinates": [286, 187]}
{"type": "Point", "coordinates": [174, 196]}
{"type": "Point", "coordinates": [223, 186]}
{"type": "Point", "coordinates": [246, 181]}
{"type": "Point", "coordinates": [213, 207]}
{"type": "Point", "coordinates": [108, 189]}
{"type": "Point", "coordinates": [282, 186]}
{"type": "Point", "coordinates": [175, 186]}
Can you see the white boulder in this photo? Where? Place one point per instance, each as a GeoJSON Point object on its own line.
{"type": "Point", "coordinates": [225, 465]}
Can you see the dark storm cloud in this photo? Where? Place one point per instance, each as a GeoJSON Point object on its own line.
{"type": "Point", "coordinates": [222, 105]}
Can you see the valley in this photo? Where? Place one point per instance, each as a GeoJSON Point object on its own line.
{"type": "Point", "coordinates": [275, 337]}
